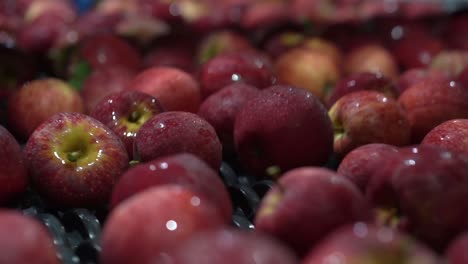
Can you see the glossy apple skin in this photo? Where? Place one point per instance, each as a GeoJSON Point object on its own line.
{"type": "Point", "coordinates": [429, 103]}
{"type": "Point", "coordinates": [367, 243]}
{"type": "Point", "coordinates": [247, 67]}
{"type": "Point", "coordinates": [366, 117]}
{"type": "Point", "coordinates": [13, 174]}
{"type": "Point", "coordinates": [232, 246]}
{"type": "Point", "coordinates": [155, 220]}
{"type": "Point", "coordinates": [103, 81]}
{"type": "Point", "coordinates": [412, 76]}
{"type": "Point", "coordinates": [456, 252]}
{"type": "Point", "coordinates": [24, 240]}
{"type": "Point", "coordinates": [332, 201]}
{"type": "Point", "coordinates": [174, 132]}
{"type": "Point", "coordinates": [220, 110]}
{"type": "Point", "coordinates": [175, 89]}
{"type": "Point", "coordinates": [285, 127]}
{"type": "Point", "coordinates": [38, 100]}
{"type": "Point", "coordinates": [307, 69]}
{"type": "Point", "coordinates": [361, 81]}
{"type": "Point", "coordinates": [182, 169]}
{"type": "Point", "coordinates": [125, 112]}
{"type": "Point", "coordinates": [374, 58]}
{"type": "Point", "coordinates": [451, 134]}
{"type": "Point", "coordinates": [86, 182]}
{"type": "Point", "coordinates": [424, 183]}
{"type": "Point", "coordinates": [361, 163]}
{"type": "Point", "coordinates": [219, 42]}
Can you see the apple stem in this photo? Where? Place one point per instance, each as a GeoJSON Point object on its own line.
{"type": "Point", "coordinates": [134, 116]}
{"type": "Point", "coordinates": [74, 156]}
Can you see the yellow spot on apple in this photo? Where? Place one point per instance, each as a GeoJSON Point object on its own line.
{"type": "Point", "coordinates": [271, 202]}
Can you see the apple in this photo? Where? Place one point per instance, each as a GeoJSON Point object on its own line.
{"type": "Point", "coordinates": [361, 81]}
{"type": "Point", "coordinates": [282, 128]}
{"type": "Point", "coordinates": [38, 100]}
{"type": "Point", "coordinates": [412, 76]}
{"type": "Point", "coordinates": [463, 77]}
{"type": "Point", "coordinates": [102, 82]}
{"type": "Point", "coordinates": [451, 134]}
{"type": "Point", "coordinates": [24, 239]}
{"type": "Point", "coordinates": [372, 57]}
{"type": "Point", "coordinates": [125, 112]}
{"type": "Point", "coordinates": [182, 169]}
{"type": "Point", "coordinates": [305, 68]}
{"type": "Point", "coordinates": [170, 55]}
{"type": "Point", "coordinates": [411, 189]}
{"type": "Point", "coordinates": [454, 32]}
{"type": "Point", "coordinates": [280, 42]}
{"type": "Point", "coordinates": [250, 67]}
{"type": "Point", "coordinates": [333, 201]}
{"type": "Point", "coordinates": [174, 132]}
{"type": "Point", "coordinates": [231, 246]}
{"type": "Point", "coordinates": [75, 160]}
{"type": "Point", "coordinates": [324, 46]}
{"type": "Point", "coordinates": [362, 162]}
{"type": "Point", "coordinates": [220, 110]}
{"type": "Point", "coordinates": [456, 252]}
{"type": "Point", "coordinates": [175, 89]}
{"type": "Point", "coordinates": [155, 220]}
{"type": "Point", "coordinates": [367, 243]}
{"type": "Point", "coordinates": [13, 174]}
{"type": "Point", "coordinates": [365, 117]}
{"type": "Point", "coordinates": [429, 103]}
{"type": "Point", "coordinates": [450, 62]}
{"type": "Point", "coordinates": [265, 14]}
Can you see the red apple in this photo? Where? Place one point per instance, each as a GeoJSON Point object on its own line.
{"type": "Point", "coordinates": [13, 174]}
{"type": "Point", "coordinates": [365, 117]}
{"type": "Point", "coordinates": [455, 31]}
{"type": "Point", "coordinates": [451, 134]}
{"type": "Point", "coordinates": [220, 110]}
{"type": "Point", "coordinates": [367, 243]}
{"type": "Point", "coordinates": [371, 58]}
{"type": "Point", "coordinates": [155, 220]}
{"type": "Point", "coordinates": [75, 160]}
{"type": "Point", "coordinates": [175, 89]}
{"type": "Point", "coordinates": [231, 246]}
{"type": "Point", "coordinates": [125, 112]}
{"type": "Point", "coordinates": [24, 240]}
{"type": "Point", "coordinates": [410, 77]}
{"type": "Point", "coordinates": [332, 201]}
{"type": "Point", "coordinates": [38, 100]}
{"type": "Point", "coordinates": [305, 68]}
{"type": "Point", "coordinates": [456, 252]}
{"type": "Point", "coordinates": [181, 169]}
{"type": "Point", "coordinates": [170, 55]}
{"type": "Point", "coordinates": [174, 132]}
{"type": "Point", "coordinates": [265, 14]}
{"type": "Point", "coordinates": [282, 127]}
{"type": "Point", "coordinates": [429, 103]}
{"type": "Point", "coordinates": [361, 163]}
{"type": "Point", "coordinates": [283, 41]}
{"type": "Point", "coordinates": [463, 77]}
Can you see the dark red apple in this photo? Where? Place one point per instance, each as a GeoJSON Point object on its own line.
{"type": "Point", "coordinates": [456, 252]}
{"type": "Point", "coordinates": [175, 89]}
{"type": "Point", "coordinates": [332, 201]}
{"type": "Point", "coordinates": [371, 58]}
{"type": "Point", "coordinates": [75, 160]}
{"type": "Point", "coordinates": [182, 169]}
{"type": "Point", "coordinates": [220, 110]}
{"type": "Point", "coordinates": [463, 77]}
{"type": "Point", "coordinates": [429, 103]}
{"type": "Point", "coordinates": [13, 174]}
{"type": "Point", "coordinates": [172, 55]}
{"type": "Point", "coordinates": [454, 34]}
{"type": "Point", "coordinates": [367, 243]}
{"type": "Point", "coordinates": [231, 246]}
{"type": "Point", "coordinates": [451, 134]}
{"type": "Point", "coordinates": [38, 100]}
{"type": "Point", "coordinates": [283, 41]}
{"type": "Point", "coordinates": [102, 82]}
{"type": "Point", "coordinates": [282, 127]}
{"type": "Point", "coordinates": [410, 77]}
{"type": "Point", "coordinates": [365, 117]}
{"type": "Point", "coordinates": [174, 132]}
{"type": "Point", "coordinates": [125, 112]}
{"type": "Point", "coordinates": [155, 220]}
{"type": "Point", "coordinates": [265, 14]}
{"type": "Point", "coordinates": [361, 163]}
{"type": "Point", "coordinates": [24, 240]}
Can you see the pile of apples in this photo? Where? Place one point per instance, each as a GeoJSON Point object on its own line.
{"type": "Point", "coordinates": [357, 110]}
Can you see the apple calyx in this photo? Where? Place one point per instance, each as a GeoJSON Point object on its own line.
{"type": "Point", "coordinates": [390, 217]}
{"type": "Point", "coordinates": [137, 117]}
{"type": "Point", "coordinates": [76, 147]}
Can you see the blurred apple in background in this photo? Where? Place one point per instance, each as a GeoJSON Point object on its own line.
{"type": "Point", "coordinates": [412, 76]}
{"type": "Point", "coordinates": [450, 62]}
{"type": "Point", "coordinates": [280, 42]}
{"type": "Point", "coordinates": [456, 251]}
{"type": "Point", "coordinates": [371, 58]}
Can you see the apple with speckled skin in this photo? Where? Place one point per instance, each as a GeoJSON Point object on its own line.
{"type": "Point", "coordinates": [155, 220]}
{"type": "Point", "coordinates": [332, 201]}
{"type": "Point", "coordinates": [125, 112]}
{"type": "Point", "coordinates": [75, 160]}
{"type": "Point", "coordinates": [282, 127]}
{"type": "Point", "coordinates": [13, 173]}
{"type": "Point", "coordinates": [367, 243]}
{"type": "Point", "coordinates": [175, 132]}
{"type": "Point", "coordinates": [182, 169]}
{"type": "Point", "coordinates": [451, 134]}
{"type": "Point", "coordinates": [38, 100]}
{"type": "Point", "coordinates": [365, 117]}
